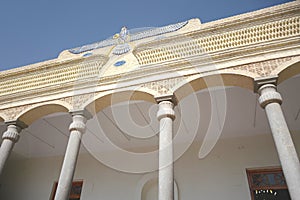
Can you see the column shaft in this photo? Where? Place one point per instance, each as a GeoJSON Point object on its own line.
{"type": "Point", "coordinates": [10, 137]}
{"type": "Point", "coordinates": [6, 147]}
{"type": "Point", "coordinates": [165, 174]}
{"type": "Point", "coordinates": [270, 100]}
{"type": "Point", "coordinates": [77, 128]}
{"type": "Point", "coordinates": [166, 179]}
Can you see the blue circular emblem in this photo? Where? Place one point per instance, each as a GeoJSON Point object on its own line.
{"type": "Point", "coordinates": [119, 63]}
{"type": "Point", "coordinates": [87, 54]}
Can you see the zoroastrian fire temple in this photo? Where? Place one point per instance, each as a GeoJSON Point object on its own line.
{"type": "Point", "coordinates": [184, 111]}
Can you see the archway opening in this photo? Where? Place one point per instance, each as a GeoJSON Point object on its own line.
{"type": "Point", "coordinates": [288, 70]}
{"type": "Point", "coordinates": [103, 101]}
{"type": "Point", "coordinates": [213, 81]}
{"type": "Point", "coordinates": [35, 113]}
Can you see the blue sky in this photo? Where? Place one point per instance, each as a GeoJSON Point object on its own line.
{"type": "Point", "coordinates": [36, 30]}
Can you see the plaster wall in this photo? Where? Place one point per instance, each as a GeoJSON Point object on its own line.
{"type": "Point", "coordinates": [221, 175]}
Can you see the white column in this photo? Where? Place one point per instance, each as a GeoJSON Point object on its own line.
{"type": "Point", "coordinates": [77, 128]}
{"type": "Point", "coordinates": [270, 100]}
{"type": "Point", "coordinates": [10, 137]}
{"type": "Point", "coordinates": [166, 115]}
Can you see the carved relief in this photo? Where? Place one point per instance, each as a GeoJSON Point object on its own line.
{"type": "Point", "coordinates": [67, 100]}
{"type": "Point", "coordinates": [264, 68]}
{"type": "Point", "coordinates": [164, 86]}
{"type": "Point", "coordinates": [134, 36]}
{"type": "Point", "coordinates": [79, 101]}
{"type": "Point", "coordinates": [12, 113]}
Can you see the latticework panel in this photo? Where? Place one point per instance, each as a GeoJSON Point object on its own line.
{"type": "Point", "coordinates": [192, 45]}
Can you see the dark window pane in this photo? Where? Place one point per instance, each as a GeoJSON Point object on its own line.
{"type": "Point", "coordinates": [268, 179]}
{"type": "Point", "coordinates": [267, 184]}
{"type": "Point", "coordinates": [75, 190]}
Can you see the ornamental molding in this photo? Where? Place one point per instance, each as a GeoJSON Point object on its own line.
{"type": "Point", "coordinates": [78, 102]}
{"type": "Point", "coordinates": [49, 79]}
{"type": "Point", "coordinates": [51, 64]}
{"type": "Point", "coordinates": [264, 68]}
{"type": "Point", "coordinates": [164, 87]}
{"type": "Point", "coordinates": [160, 87]}
{"type": "Point", "coordinates": [14, 112]}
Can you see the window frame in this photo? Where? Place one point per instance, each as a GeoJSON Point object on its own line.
{"type": "Point", "coordinates": [263, 170]}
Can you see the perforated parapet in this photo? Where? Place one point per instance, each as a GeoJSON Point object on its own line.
{"type": "Point", "coordinates": [57, 75]}
{"type": "Point", "coordinates": [193, 45]}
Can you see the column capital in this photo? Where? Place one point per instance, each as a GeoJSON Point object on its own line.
{"type": "Point", "coordinates": [13, 130]}
{"type": "Point", "coordinates": [268, 94]}
{"type": "Point", "coordinates": [83, 113]}
{"type": "Point", "coordinates": [259, 82]}
{"type": "Point", "coordinates": [12, 133]}
{"type": "Point", "coordinates": [165, 110]}
{"type": "Point", "coordinates": [170, 97]}
{"type": "Point", "coordinates": [79, 120]}
{"type": "Point", "coordinates": [78, 124]}
{"type": "Point", "coordinates": [18, 123]}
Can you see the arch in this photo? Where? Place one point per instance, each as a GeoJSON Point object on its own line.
{"type": "Point", "coordinates": [35, 112]}
{"type": "Point", "coordinates": [148, 182]}
{"type": "Point", "coordinates": [287, 70]}
{"type": "Point", "coordinates": [108, 99]}
{"type": "Point", "coordinates": [214, 80]}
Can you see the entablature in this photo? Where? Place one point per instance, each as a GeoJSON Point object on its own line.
{"type": "Point", "coordinates": [253, 43]}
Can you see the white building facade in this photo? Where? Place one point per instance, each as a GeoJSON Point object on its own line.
{"type": "Point", "coordinates": [184, 111]}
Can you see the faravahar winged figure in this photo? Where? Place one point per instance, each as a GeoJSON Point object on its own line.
{"type": "Point", "coordinates": [125, 37]}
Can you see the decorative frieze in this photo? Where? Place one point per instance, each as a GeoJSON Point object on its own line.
{"type": "Point", "coordinates": [80, 100]}
{"type": "Point", "coordinates": [163, 87]}
{"type": "Point", "coordinates": [14, 112]}
{"type": "Point", "coordinates": [77, 102]}
{"type": "Point", "coordinates": [263, 68]}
